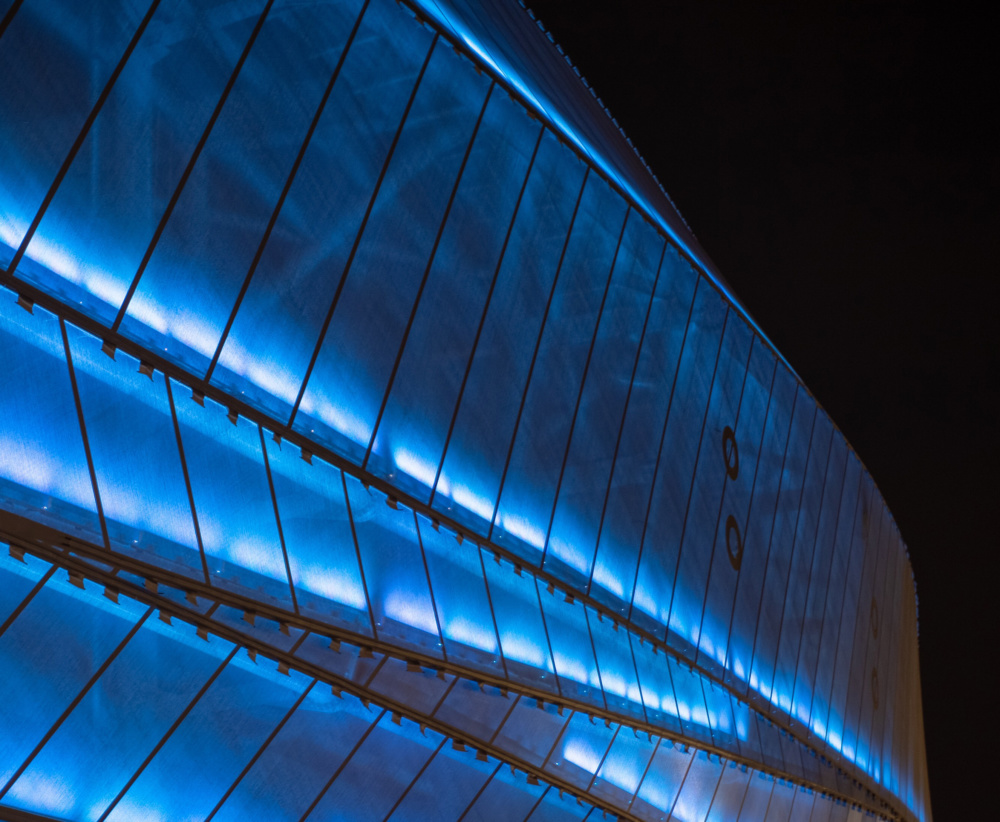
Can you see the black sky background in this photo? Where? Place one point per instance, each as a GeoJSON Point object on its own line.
{"type": "Point", "coordinates": [840, 163]}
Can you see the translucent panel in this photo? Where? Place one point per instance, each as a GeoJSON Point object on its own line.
{"type": "Point", "coordinates": [779, 554]}
{"type": "Point", "coordinates": [529, 486]}
{"type": "Point", "coordinates": [802, 806]}
{"type": "Point", "coordinates": [819, 579]}
{"type": "Point", "coordinates": [727, 555]}
{"type": "Point", "coordinates": [769, 739]}
{"type": "Point", "coordinates": [658, 561]}
{"type": "Point", "coordinates": [136, 459]}
{"type": "Point", "coordinates": [341, 659]}
{"type": "Point", "coordinates": [627, 504]}
{"type": "Point", "coordinates": [598, 417]}
{"type": "Point", "coordinates": [394, 570]}
{"type": "Point", "coordinates": [800, 573]}
{"type": "Point", "coordinates": [624, 766]}
{"type": "Point", "coordinates": [614, 660]}
{"type": "Point", "coordinates": [120, 720]}
{"type": "Point", "coordinates": [316, 527]}
{"type": "Point", "coordinates": [300, 760]}
{"type": "Point", "coordinates": [657, 687]}
{"type": "Point", "coordinates": [759, 521]}
{"type": "Point", "coordinates": [690, 700]}
{"type": "Point", "coordinates": [446, 788]}
{"type": "Point", "coordinates": [822, 810]}
{"type": "Point", "coordinates": [47, 655]}
{"type": "Point", "coordinates": [43, 467]}
{"type": "Point", "coordinates": [475, 455]}
{"type": "Point", "coordinates": [106, 211]}
{"type": "Point", "coordinates": [729, 795]}
{"type": "Point", "coordinates": [407, 446]}
{"type": "Point", "coordinates": [721, 716]}
{"type": "Point", "coordinates": [191, 282]}
{"type": "Point", "coordinates": [715, 465]}
{"type": "Point", "coordinates": [213, 744]}
{"type": "Point", "coordinates": [530, 731]}
{"type": "Point", "coordinates": [475, 708]}
{"type": "Point", "coordinates": [518, 612]}
{"type": "Point", "coordinates": [56, 57]}
{"type": "Point", "coordinates": [556, 806]}
{"type": "Point", "coordinates": [662, 782]}
{"type": "Point", "coordinates": [301, 265]}
{"type": "Point", "coordinates": [463, 608]}
{"type": "Point", "coordinates": [507, 798]}
{"type": "Point", "coordinates": [699, 786]}
{"type": "Point", "coordinates": [17, 579]}
{"type": "Point", "coordinates": [346, 387]}
{"type": "Point", "coordinates": [781, 802]}
{"type": "Point", "coordinates": [232, 500]}
{"type": "Point", "coordinates": [378, 773]}
{"type": "Point", "coordinates": [421, 689]}
{"type": "Point", "coordinates": [572, 648]}
{"type": "Point", "coordinates": [757, 798]}
{"type": "Point", "coordinates": [581, 749]}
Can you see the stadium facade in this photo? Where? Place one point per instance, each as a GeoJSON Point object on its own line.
{"type": "Point", "coordinates": [377, 443]}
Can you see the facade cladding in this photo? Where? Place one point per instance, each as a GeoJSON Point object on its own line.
{"type": "Point", "coordinates": [378, 443]}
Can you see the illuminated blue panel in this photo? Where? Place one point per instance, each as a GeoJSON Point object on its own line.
{"type": "Point", "coordinates": [800, 574]}
{"type": "Point", "coordinates": [409, 446]}
{"type": "Point", "coordinates": [613, 648]}
{"type": "Point", "coordinates": [394, 570]}
{"type": "Point", "coordinates": [19, 577]}
{"type": "Point", "coordinates": [529, 486]}
{"type": "Point", "coordinates": [134, 447]}
{"type": "Point", "coordinates": [779, 552]}
{"type": "Point", "coordinates": [642, 429]}
{"type": "Point", "coordinates": [47, 655]}
{"type": "Point", "coordinates": [529, 732]}
{"type": "Point", "coordinates": [351, 374]}
{"type": "Point", "coordinates": [572, 648]}
{"type": "Point", "coordinates": [301, 265]}
{"type": "Point", "coordinates": [699, 786]}
{"type": "Point", "coordinates": [299, 761]}
{"type": "Point", "coordinates": [658, 561]}
{"type": "Point", "coordinates": [781, 802]}
{"type": "Point", "coordinates": [456, 573]}
{"type": "Point", "coordinates": [703, 509]}
{"type": "Point", "coordinates": [55, 58]}
{"type": "Point", "coordinates": [803, 805]}
{"type": "Point", "coordinates": [317, 531]}
{"type": "Point", "coordinates": [819, 581]}
{"type": "Point", "coordinates": [106, 210]}
{"type": "Point", "coordinates": [421, 690]}
{"type": "Point", "coordinates": [475, 708]}
{"type": "Point", "coordinates": [557, 806]}
{"type": "Point", "coordinates": [378, 773]}
{"type": "Point", "coordinates": [43, 467]}
{"type": "Point", "coordinates": [624, 766]}
{"type": "Point", "coordinates": [581, 749]}
{"type": "Point", "coordinates": [232, 500]}
{"type": "Point", "coordinates": [213, 744]}
{"type": "Point", "coordinates": [721, 716]}
{"type": "Point", "coordinates": [475, 455]}
{"type": "Point", "coordinates": [101, 744]}
{"type": "Point", "coordinates": [446, 788]}
{"type": "Point", "coordinates": [720, 597]}
{"type": "Point", "coordinates": [757, 798]}
{"type": "Point", "coordinates": [656, 686]}
{"type": "Point", "coordinates": [730, 794]}
{"type": "Point", "coordinates": [760, 517]}
{"type": "Point", "coordinates": [518, 611]}
{"type": "Point", "coordinates": [191, 282]}
{"type": "Point", "coordinates": [508, 796]}
{"type": "Point", "coordinates": [589, 456]}
{"type": "Point", "coordinates": [691, 706]}
{"type": "Point", "coordinates": [662, 782]}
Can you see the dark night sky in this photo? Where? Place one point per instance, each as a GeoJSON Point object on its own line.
{"type": "Point", "coordinates": [839, 163]}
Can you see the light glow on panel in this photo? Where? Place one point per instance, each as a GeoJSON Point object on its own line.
{"type": "Point", "coordinates": [330, 584]}
{"type": "Point", "coordinates": [186, 327]}
{"type": "Point", "coordinates": [524, 530]}
{"type": "Point", "coordinates": [335, 414]}
{"type": "Point", "coordinates": [415, 467]}
{"type": "Point", "coordinates": [574, 669]}
{"type": "Point", "coordinates": [268, 374]}
{"type": "Point", "coordinates": [522, 649]}
{"type": "Point", "coordinates": [582, 756]}
{"type": "Point", "coordinates": [43, 472]}
{"type": "Point", "coordinates": [469, 633]}
{"type": "Point", "coordinates": [401, 606]}
{"type": "Point", "coordinates": [43, 793]}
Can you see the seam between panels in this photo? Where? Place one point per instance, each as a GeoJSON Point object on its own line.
{"type": "Point", "coordinates": [659, 454]}
{"type": "Point", "coordinates": [430, 586]}
{"type": "Point", "coordinates": [415, 779]}
{"type": "Point", "coordinates": [277, 517]}
{"type": "Point", "coordinates": [645, 772]}
{"type": "Point", "coordinates": [361, 231]}
{"type": "Point", "coordinates": [78, 143]}
{"type": "Point", "coordinates": [534, 355]}
{"type": "Point", "coordinates": [680, 785]}
{"type": "Point", "coordinates": [284, 193]}
{"type": "Point", "coordinates": [621, 424]}
{"type": "Point", "coordinates": [83, 435]}
{"type": "Point", "coordinates": [593, 650]}
{"type": "Point", "coordinates": [28, 597]}
{"type": "Point", "coordinates": [163, 740]}
{"type": "Point", "coordinates": [483, 315]}
{"type": "Point", "coordinates": [206, 625]}
{"type": "Point", "coordinates": [357, 553]}
{"type": "Point", "coordinates": [538, 802]}
{"type": "Point", "coordinates": [493, 614]}
{"type": "Point", "coordinates": [187, 481]}
{"type": "Point", "coordinates": [9, 16]}
{"type": "Point", "coordinates": [76, 701]}
{"type": "Point", "coordinates": [165, 217]}
{"type": "Point", "coordinates": [479, 793]}
{"type": "Point", "coordinates": [604, 758]}
{"type": "Point", "coordinates": [694, 474]}
{"type": "Point", "coordinates": [583, 384]}
{"type": "Point", "coordinates": [423, 280]}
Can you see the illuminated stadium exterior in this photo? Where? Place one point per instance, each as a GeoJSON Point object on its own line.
{"type": "Point", "coordinates": [377, 442]}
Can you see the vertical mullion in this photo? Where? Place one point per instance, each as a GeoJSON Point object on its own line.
{"type": "Point", "coordinates": [9, 16]}
{"type": "Point", "coordinates": [600, 764]}
{"type": "Point", "coordinates": [24, 602]}
{"type": "Point", "coordinates": [430, 586]}
{"type": "Point", "coordinates": [645, 773]}
{"type": "Point", "coordinates": [593, 650]}
{"type": "Point", "coordinates": [361, 230]}
{"type": "Point", "coordinates": [479, 793]}
{"type": "Point", "coordinates": [548, 639]}
{"type": "Point", "coordinates": [277, 518]}
{"type": "Point", "coordinates": [413, 781]}
{"type": "Point", "coordinates": [493, 614]}
{"type": "Point", "coordinates": [165, 217]}
{"type": "Point", "coordinates": [357, 552]}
